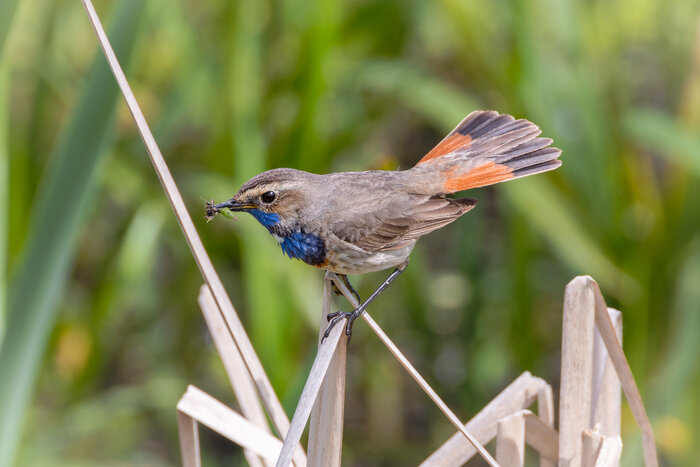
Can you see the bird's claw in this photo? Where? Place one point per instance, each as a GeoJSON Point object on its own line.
{"type": "Point", "coordinates": [330, 316]}
{"type": "Point", "coordinates": [336, 290]}
{"type": "Point", "coordinates": [347, 283]}
{"type": "Point", "coordinates": [338, 316]}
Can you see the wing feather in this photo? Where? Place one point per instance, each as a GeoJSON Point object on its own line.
{"type": "Point", "coordinates": [400, 223]}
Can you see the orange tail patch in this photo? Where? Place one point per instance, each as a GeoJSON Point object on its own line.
{"type": "Point", "coordinates": [447, 145]}
{"type": "Point", "coordinates": [486, 174]}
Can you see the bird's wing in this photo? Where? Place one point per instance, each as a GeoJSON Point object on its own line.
{"type": "Point", "coordinates": [400, 222]}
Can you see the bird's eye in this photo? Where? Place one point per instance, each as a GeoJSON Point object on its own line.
{"type": "Point", "coordinates": [268, 197]}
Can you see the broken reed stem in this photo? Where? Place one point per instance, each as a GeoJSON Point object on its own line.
{"type": "Point", "coordinates": [607, 391]}
{"type": "Point", "coordinates": [606, 328]}
{"type": "Point", "coordinates": [414, 373]}
{"type": "Point", "coordinates": [243, 386]}
{"type": "Point", "coordinates": [309, 394]}
{"type": "Point", "coordinates": [520, 394]}
{"type": "Point", "coordinates": [325, 443]}
{"type": "Point", "coordinates": [545, 411]}
{"type": "Point", "coordinates": [238, 375]}
{"type": "Point", "coordinates": [584, 312]}
{"type": "Point", "coordinates": [576, 369]}
{"type": "Point", "coordinates": [510, 440]}
{"type": "Point", "coordinates": [233, 323]}
{"type": "Point", "coordinates": [525, 428]}
{"type": "Point", "coordinates": [203, 408]}
{"type": "Point", "coordinates": [188, 433]}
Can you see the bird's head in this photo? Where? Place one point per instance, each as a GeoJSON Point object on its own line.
{"type": "Point", "coordinates": [276, 198]}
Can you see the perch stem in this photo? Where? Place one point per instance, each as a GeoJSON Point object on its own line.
{"type": "Point", "coordinates": [415, 375]}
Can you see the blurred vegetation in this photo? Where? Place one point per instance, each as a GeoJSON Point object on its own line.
{"type": "Point", "coordinates": [98, 289]}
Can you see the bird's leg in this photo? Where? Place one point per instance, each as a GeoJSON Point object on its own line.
{"type": "Point", "coordinates": [337, 291]}
{"type": "Point", "coordinates": [351, 316]}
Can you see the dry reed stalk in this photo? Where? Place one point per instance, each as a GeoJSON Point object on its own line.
{"type": "Point", "coordinates": [188, 433]}
{"type": "Point", "coordinates": [272, 405]}
{"type": "Point", "coordinates": [519, 394]}
{"type": "Point", "coordinates": [243, 386]}
{"type": "Point", "coordinates": [521, 428]}
{"type": "Point", "coordinates": [414, 373]}
{"type": "Point", "coordinates": [545, 411]}
{"type": "Point", "coordinates": [591, 442]}
{"type": "Point", "coordinates": [327, 416]}
{"type": "Point", "coordinates": [540, 436]}
{"type": "Point", "coordinates": [607, 392]}
{"type": "Point", "coordinates": [624, 373]}
{"type": "Point", "coordinates": [525, 428]}
{"type": "Point", "coordinates": [610, 452]}
{"type": "Point", "coordinates": [584, 312]}
{"type": "Point", "coordinates": [510, 440]}
{"type": "Point", "coordinates": [600, 450]}
{"type": "Point", "coordinates": [576, 369]}
{"type": "Point", "coordinates": [208, 411]}
{"type": "Point", "coordinates": [309, 394]}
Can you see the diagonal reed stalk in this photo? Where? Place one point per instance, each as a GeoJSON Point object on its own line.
{"type": "Point", "coordinates": [325, 442]}
{"type": "Point", "coordinates": [520, 394]}
{"type": "Point", "coordinates": [233, 323]}
{"type": "Point", "coordinates": [318, 372]}
{"type": "Point", "coordinates": [415, 375]}
{"type": "Point", "coordinates": [200, 407]}
{"type": "Point", "coordinates": [584, 312]}
{"type": "Point", "coordinates": [321, 365]}
{"type": "Point", "coordinates": [243, 386]}
{"type": "Point", "coordinates": [624, 372]}
{"type": "Point", "coordinates": [309, 394]}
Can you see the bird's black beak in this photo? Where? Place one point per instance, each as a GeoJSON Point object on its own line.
{"type": "Point", "coordinates": [230, 206]}
{"type": "Point", "coordinates": [233, 205]}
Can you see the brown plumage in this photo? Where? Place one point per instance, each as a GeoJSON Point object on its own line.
{"type": "Point", "coordinates": [357, 222]}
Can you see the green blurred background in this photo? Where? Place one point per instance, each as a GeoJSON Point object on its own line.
{"type": "Point", "coordinates": [101, 331]}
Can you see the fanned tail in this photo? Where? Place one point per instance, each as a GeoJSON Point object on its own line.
{"type": "Point", "coordinates": [486, 148]}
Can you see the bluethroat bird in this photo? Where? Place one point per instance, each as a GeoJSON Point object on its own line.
{"type": "Point", "coordinates": [358, 222]}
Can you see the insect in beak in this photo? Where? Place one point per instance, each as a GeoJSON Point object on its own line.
{"type": "Point", "coordinates": [226, 208]}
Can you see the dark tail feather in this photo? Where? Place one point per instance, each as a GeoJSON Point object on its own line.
{"type": "Point", "coordinates": [487, 148]}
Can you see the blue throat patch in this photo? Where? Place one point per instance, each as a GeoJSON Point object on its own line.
{"type": "Point", "coordinates": [267, 219]}
{"type": "Point", "coordinates": [298, 244]}
{"type": "Point", "coordinates": [304, 246]}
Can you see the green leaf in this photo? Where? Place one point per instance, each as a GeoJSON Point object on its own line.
{"type": "Point", "coordinates": [7, 13]}
{"type": "Point", "coordinates": [665, 136]}
{"type": "Point", "coordinates": [539, 203]}
{"type": "Point", "coordinates": [678, 372]}
{"type": "Point", "coordinates": [57, 214]}
{"type": "Point", "coordinates": [4, 189]}
{"type": "Point", "coordinates": [675, 384]}
{"type": "Point", "coordinates": [440, 103]}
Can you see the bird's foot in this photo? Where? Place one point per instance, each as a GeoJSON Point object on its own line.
{"type": "Point", "coordinates": [351, 316]}
{"type": "Point", "coordinates": [338, 316]}
{"type": "Point", "coordinates": [347, 283]}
